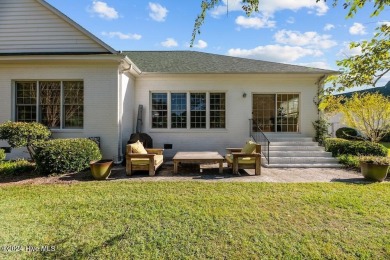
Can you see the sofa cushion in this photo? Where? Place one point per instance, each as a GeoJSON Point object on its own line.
{"type": "Point", "coordinates": [241, 160]}
{"type": "Point", "coordinates": [138, 148]}
{"type": "Point", "coordinates": [249, 147]}
{"type": "Point", "coordinates": [158, 159]}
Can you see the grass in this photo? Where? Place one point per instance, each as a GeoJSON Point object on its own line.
{"type": "Point", "coordinates": [192, 220]}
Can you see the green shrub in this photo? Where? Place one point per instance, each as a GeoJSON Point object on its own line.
{"type": "Point", "coordinates": [378, 160]}
{"type": "Point", "coordinates": [347, 133]}
{"type": "Point", "coordinates": [19, 134]}
{"type": "Point", "coordinates": [65, 155]}
{"type": "Point", "coordinates": [350, 161]}
{"type": "Point", "coordinates": [16, 167]}
{"type": "Point", "coordinates": [339, 146]}
{"type": "Point", "coordinates": [2, 155]}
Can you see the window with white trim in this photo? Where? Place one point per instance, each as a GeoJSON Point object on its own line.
{"type": "Point", "coordinates": [56, 104]}
{"type": "Point", "coordinates": [188, 110]}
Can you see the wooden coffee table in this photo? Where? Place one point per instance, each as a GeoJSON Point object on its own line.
{"type": "Point", "coordinates": [197, 157]}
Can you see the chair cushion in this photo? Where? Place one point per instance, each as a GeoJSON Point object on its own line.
{"type": "Point", "coordinates": [158, 159]}
{"type": "Point", "coordinates": [241, 160]}
{"type": "Point", "coordinates": [138, 148]}
{"type": "Point", "coordinates": [249, 147]}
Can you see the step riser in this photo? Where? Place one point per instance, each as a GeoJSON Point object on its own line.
{"type": "Point", "coordinates": [301, 160]}
{"type": "Point", "coordinates": [303, 166]}
{"type": "Point", "coordinates": [293, 144]}
{"type": "Point", "coordinates": [299, 154]}
{"type": "Point", "coordinates": [294, 148]}
{"type": "Point", "coordinates": [303, 139]}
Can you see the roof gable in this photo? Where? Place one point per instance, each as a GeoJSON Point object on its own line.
{"type": "Point", "coordinates": [34, 26]}
{"type": "Point", "coordinates": [200, 62]}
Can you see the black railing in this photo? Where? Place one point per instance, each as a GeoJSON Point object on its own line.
{"type": "Point", "coordinates": [257, 134]}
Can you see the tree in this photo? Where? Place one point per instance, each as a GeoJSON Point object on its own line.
{"type": "Point", "coordinates": [368, 67]}
{"type": "Point", "coordinates": [250, 6]}
{"type": "Point", "coordinates": [369, 113]}
{"type": "Point", "coordinates": [19, 134]}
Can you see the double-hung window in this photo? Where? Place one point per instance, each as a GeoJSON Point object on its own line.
{"type": "Point", "coordinates": [188, 110]}
{"type": "Point", "coordinates": [56, 104]}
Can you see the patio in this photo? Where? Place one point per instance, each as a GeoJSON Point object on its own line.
{"type": "Point", "coordinates": [202, 173]}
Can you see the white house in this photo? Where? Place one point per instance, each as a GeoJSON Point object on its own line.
{"type": "Point", "coordinates": [55, 72]}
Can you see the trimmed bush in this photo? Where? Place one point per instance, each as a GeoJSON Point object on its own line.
{"type": "Point", "coordinates": [2, 155]}
{"type": "Point", "coordinates": [16, 167]}
{"type": "Point", "coordinates": [19, 134]}
{"type": "Point", "coordinates": [347, 133]}
{"type": "Point", "coordinates": [350, 161]}
{"type": "Point", "coordinates": [65, 155]}
{"type": "Point", "coordinates": [339, 146]}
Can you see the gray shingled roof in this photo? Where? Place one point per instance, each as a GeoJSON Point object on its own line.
{"type": "Point", "coordinates": [200, 62]}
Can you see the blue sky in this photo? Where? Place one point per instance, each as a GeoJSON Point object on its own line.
{"type": "Point", "coordinates": [288, 31]}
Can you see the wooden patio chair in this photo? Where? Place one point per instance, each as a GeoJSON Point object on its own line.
{"type": "Point", "coordinates": [142, 159]}
{"type": "Point", "coordinates": [242, 158]}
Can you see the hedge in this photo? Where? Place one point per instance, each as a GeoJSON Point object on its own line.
{"type": "Point", "coordinates": [340, 146]}
{"type": "Point", "coordinates": [65, 155]}
{"type": "Point", "coordinates": [2, 155]}
{"type": "Point", "coordinates": [347, 133]}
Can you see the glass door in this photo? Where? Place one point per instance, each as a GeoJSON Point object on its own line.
{"type": "Point", "coordinates": [276, 112]}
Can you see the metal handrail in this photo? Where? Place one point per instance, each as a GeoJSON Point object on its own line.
{"type": "Point", "coordinates": [260, 138]}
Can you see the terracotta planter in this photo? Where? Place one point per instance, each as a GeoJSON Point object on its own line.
{"type": "Point", "coordinates": [101, 169]}
{"type": "Point", "coordinates": [374, 171]}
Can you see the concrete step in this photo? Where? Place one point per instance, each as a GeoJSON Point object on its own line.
{"type": "Point", "coordinates": [302, 160]}
{"type": "Point", "coordinates": [294, 148]}
{"type": "Point", "coordinates": [302, 165]}
{"type": "Point", "coordinates": [292, 139]}
{"type": "Point", "coordinates": [282, 153]}
{"type": "Point", "coordinates": [293, 143]}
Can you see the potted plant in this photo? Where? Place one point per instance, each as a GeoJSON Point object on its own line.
{"type": "Point", "coordinates": [101, 169]}
{"type": "Point", "coordinates": [374, 167]}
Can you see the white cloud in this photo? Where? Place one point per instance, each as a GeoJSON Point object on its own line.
{"type": "Point", "coordinates": [312, 39]}
{"type": "Point", "coordinates": [276, 53]}
{"type": "Point", "coordinates": [328, 27]}
{"type": "Point", "coordinates": [290, 20]}
{"type": "Point", "coordinates": [255, 22]}
{"type": "Point", "coordinates": [384, 22]}
{"type": "Point", "coordinates": [272, 6]}
{"type": "Point", "coordinates": [201, 44]}
{"type": "Point", "coordinates": [123, 36]}
{"type": "Point", "coordinates": [316, 64]}
{"type": "Point", "coordinates": [157, 12]}
{"type": "Point", "coordinates": [357, 29]}
{"type": "Point", "coordinates": [169, 42]}
{"type": "Point", "coordinates": [347, 52]}
{"type": "Point", "coordinates": [103, 10]}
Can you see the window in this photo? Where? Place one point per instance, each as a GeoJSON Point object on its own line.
{"type": "Point", "coordinates": [179, 110]}
{"type": "Point", "coordinates": [198, 110]}
{"type": "Point", "coordinates": [217, 110]}
{"type": "Point", "coordinates": [159, 110]}
{"type": "Point", "coordinates": [56, 104]}
{"type": "Point", "coordinates": [188, 110]}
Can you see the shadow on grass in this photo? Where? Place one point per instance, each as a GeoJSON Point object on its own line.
{"type": "Point", "coordinates": [361, 181]}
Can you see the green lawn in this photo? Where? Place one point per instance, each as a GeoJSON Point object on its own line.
{"type": "Point", "coordinates": [178, 220]}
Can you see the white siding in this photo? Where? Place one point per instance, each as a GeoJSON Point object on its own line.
{"type": "Point", "coordinates": [239, 109]}
{"type": "Point", "coordinates": [100, 95]}
{"type": "Point", "coordinates": [26, 26]}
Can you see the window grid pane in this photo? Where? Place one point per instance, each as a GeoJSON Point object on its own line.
{"type": "Point", "coordinates": [26, 98]}
{"type": "Point", "coordinates": [73, 104]}
{"type": "Point", "coordinates": [217, 110]}
{"type": "Point", "coordinates": [179, 110]}
{"type": "Point", "coordinates": [198, 110]}
{"type": "Point", "coordinates": [50, 103]}
{"type": "Point", "coordinates": [159, 110]}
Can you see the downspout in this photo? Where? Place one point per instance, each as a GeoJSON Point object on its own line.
{"type": "Point", "coordinates": [119, 158]}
